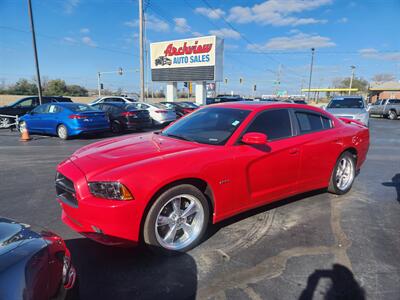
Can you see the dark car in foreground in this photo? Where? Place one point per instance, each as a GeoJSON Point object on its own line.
{"type": "Point", "coordinates": [25, 105]}
{"type": "Point", "coordinates": [65, 120]}
{"type": "Point", "coordinates": [181, 108]}
{"type": "Point", "coordinates": [34, 263]}
{"type": "Point", "coordinates": [124, 116]}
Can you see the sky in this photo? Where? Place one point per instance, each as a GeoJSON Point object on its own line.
{"type": "Point", "coordinates": [264, 40]}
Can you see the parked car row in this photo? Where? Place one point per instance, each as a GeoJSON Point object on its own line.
{"type": "Point", "coordinates": [64, 118]}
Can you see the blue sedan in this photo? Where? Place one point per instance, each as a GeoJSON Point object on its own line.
{"type": "Point", "coordinates": [65, 119]}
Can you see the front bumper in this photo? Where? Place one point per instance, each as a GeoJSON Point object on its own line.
{"type": "Point", "coordinates": [109, 222]}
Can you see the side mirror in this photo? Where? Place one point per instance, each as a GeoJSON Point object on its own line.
{"type": "Point", "coordinates": [255, 138]}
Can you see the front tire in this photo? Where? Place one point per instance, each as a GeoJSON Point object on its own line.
{"type": "Point", "coordinates": [392, 115]}
{"type": "Point", "coordinates": [177, 220]}
{"type": "Point", "coordinates": [62, 132]}
{"type": "Point", "coordinates": [5, 122]}
{"type": "Point", "coordinates": [343, 174]}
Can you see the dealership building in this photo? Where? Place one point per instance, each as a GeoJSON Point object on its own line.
{"type": "Point", "coordinates": [198, 60]}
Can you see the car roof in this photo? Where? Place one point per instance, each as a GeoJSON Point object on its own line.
{"type": "Point", "coordinates": [259, 105]}
{"type": "Point", "coordinates": [67, 104]}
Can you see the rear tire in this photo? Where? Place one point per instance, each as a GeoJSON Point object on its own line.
{"type": "Point", "coordinates": [343, 174]}
{"type": "Point", "coordinates": [177, 220]}
{"type": "Point", "coordinates": [392, 115]}
{"type": "Point", "coordinates": [116, 127]}
{"type": "Point", "coordinates": [62, 132]}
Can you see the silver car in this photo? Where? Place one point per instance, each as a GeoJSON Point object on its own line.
{"type": "Point", "coordinates": [351, 107]}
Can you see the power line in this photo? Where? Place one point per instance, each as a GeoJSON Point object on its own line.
{"type": "Point", "coordinates": [70, 43]}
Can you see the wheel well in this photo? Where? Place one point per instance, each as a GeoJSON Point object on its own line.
{"type": "Point", "coordinates": [353, 151]}
{"type": "Point", "coordinates": [196, 182]}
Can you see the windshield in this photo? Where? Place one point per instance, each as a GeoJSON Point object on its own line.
{"type": "Point", "coordinates": [81, 108]}
{"type": "Point", "coordinates": [212, 125]}
{"type": "Point", "coordinates": [188, 105]}
{"type": "Point", "coordinates": [159, 105]}
{"type": "Point", "coordinates": [346, 103]}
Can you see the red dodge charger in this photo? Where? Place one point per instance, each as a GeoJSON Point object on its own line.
{"type": "Point", "coordinates": [164, 188]}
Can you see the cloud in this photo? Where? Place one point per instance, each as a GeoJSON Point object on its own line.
{"type": "Point", "coordinates": [84, 30]}
{"type": "Point", "coordinates": [69, 40]}
{"type": "Point", "coordinates": [70, 5]}
{"type": "Point", "coordinates": [213, 14]}
{"type": "Point", "coordinates": [343, 20]}
{"type": "Point", "coordinates": [88, 41]}
{"type": "Point", "coordinates": [226, 33]}
{"type": "Point", "coordinates": [294, 42]}
{"type": "Point", "coordinates": [277, 12]}
{"type": "Point", "coordinates": [197, 34]}
{"type": "Point", "coordinates": [152, 23]}
{"type": "Point", "coordinates": [181, 25]}
{"type": "Point", "coordinates": [373, 53]}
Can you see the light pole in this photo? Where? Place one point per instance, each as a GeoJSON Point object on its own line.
{"type": "Point", "coordinates": [141, 50]}
{"type": "Point", "coordinates": [39, 85]}
{"type": "Point", "coordinates": [120, 71]}
{"type": "Point", "coordinates": [352, 77]}
{"type": "Point", "coordinates": [311, 69]}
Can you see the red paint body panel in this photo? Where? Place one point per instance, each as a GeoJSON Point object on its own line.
{"type": "Point", "coordinates": [239, 176]}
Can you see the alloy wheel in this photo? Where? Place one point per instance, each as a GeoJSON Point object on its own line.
{"type": "Point", "coordinates": [62, 132]}
{"type": "Point", "coordinates": [345, 173]}
{"type": "Point", "coordinates": [4, 122]}
{"type": "Point", "coordinates": [179, 222]}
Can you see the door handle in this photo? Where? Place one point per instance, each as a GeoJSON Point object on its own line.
{"type": "Point", "coordinates": [294, 151]}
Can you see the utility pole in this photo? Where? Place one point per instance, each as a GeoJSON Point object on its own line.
{"type": "Point", "coordinates": [99, 83]}
{"type": "Point", "coordinates": [352, 77]}
{"type": "Point", "coordinates": [39, 85]}
{"type": "Point", "coordinates": [311, 69]}
{"type": "Point", "coordinates": [278, 79]}
{"type": "Point", "coordinates": [141, 50]}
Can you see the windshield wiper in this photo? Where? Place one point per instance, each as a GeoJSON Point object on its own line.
{"type": "Point", "coordinates": [181, 137]}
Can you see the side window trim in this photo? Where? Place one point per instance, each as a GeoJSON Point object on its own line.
{"type": "Point", "coordinates": [296, 121]}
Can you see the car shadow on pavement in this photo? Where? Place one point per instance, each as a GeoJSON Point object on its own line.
{"type": "Point", "coordinates": [106, 272]}
{"type": "Point", "coordinates": [394, 183]}
{"type": "Point", "coordinates": [343, 284]}
{"type": "Point", "coordinates": [247, 214]}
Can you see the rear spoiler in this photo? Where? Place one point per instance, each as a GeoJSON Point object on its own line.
{"type": "Point", "coordinates": [349, 121]}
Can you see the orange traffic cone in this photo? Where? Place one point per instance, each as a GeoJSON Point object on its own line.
{"type": "Point", "coordinates": [25, 135]}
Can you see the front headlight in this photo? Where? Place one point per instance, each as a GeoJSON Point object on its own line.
{"type": "Point", "coordinates": [110, 190]}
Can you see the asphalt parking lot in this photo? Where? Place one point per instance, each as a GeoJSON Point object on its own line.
{"type": "Point", "coordinates": [313, 246]}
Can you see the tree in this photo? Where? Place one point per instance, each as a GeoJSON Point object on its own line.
{"type": "Point", "coordinates": [358, 83]}
{"type": "Point", "coordinates": [76, 90]}
{"type": "Point", "coordinates": [383, 77]}
{"type": "Point", "coordinates": [56, 87]}
{"type": "Point", "coordinates": [23, 87]}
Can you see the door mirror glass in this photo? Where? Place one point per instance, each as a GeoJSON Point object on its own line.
{"type": "Point", "coordinates": [255, 138]}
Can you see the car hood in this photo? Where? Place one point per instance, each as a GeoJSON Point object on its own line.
{"type": "Point", "coordinates": [14, 234]}
{"type": "Point", "coordinates": [346, 111]}
{"type": "Point", "coordinates": [110, 154]}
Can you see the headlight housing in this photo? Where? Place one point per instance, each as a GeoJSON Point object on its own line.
{"type": "Point", "coordinates": [110, 190]}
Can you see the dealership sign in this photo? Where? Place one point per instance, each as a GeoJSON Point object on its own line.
{"type": "Point", "coordinates": [194, 59]}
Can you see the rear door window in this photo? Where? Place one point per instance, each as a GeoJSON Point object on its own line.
{"type": "Point", "coordinates": [311, 122]}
